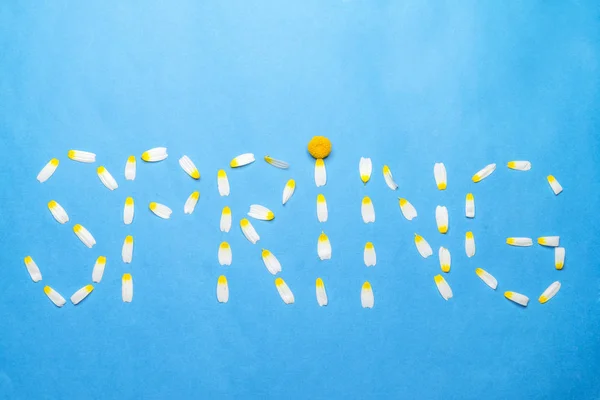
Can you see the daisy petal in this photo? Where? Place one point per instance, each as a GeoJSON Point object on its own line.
{"type": "Point", "coordinates": [190, 203]}
{"type": "Point", "coordinates": [241, 160]}
{"type": "Point", "coordinates": [59, 213]}
{"type": "Point", "coordinates": [128, 211]}
{"type": "Point", "coordinates": [559, 258]}
{"type": "Point", "coordinates": [81, 294]}
{"type": "Point", "coordinates": [550, 292]}
{"type": "Point", "coordinates": [556, 187]}
{"type": "Point", "coordinates": [84, 235]}
{"type": "Point", "coordinates": [365, 167]}
{"type": "Point", "coordinates": [487, 278]}
{"type": "Point", "coordinates": [223, 183]}
{"type": "Point", "coordinates": [322, 212]}
{"type": "Point", "coordinates": [443, 287]}
{"type": "Point", "coordinates": [98, 270]}
{"type": "Point", "coordinates": [441, 218]}
{"type": "Point", "coordinates": [189, 167]}
{"type": "Point", "coordinates": [271, 262]}
{"type": "Point", "coordinates": [225, 256]}
{"type": "Point", "coordinates": [549, 241]}
{"type": "Point", "coordinates": [389, 179]}
{"type": "Point", "coordinates": [422, 246]}
{"type": "Point", "coordinates": [127, 250]}
{"type": "Point", "coordinates": [284, 291]}
{"type": "Point", "coordinates": [130, 168]}
{"type": "Point", "coordinates": [277, 163]}
{"type": "Point", "coordinates": [48, 170]}
{"type": "Point", "coordinates": [160, 210]}
{"type": "Point", "coordinates": [439, 173]}
{"type": "Point", "coordinates": [407, 209]}
{"type": "Point", "coordinates": [470, 206]}
{"type": "Point", "coordinates": [484, 173]}
{"type": "Point", "coordinates": [367, 299]}
{"type": "Point", "coordinates": [288, 190]}
{"type": "Point", "coordinates": [54, 296]}
{"type": "Point", "coordinates": [324, 247]}
{"type": "Point", "coordinates": [261, 212]}
{"type": "Point", "coordinates": [249, 231]}
{"type": "Point", "coordinates": [469, 244]}
{"type": "Point", "coordinates": [517, 298]}
{"type": "Point", "coordinates": [154, 155]}
{"type": "Point", "coordinates": [445, 259]}
{"type": "Point", "coordinates": [127, 288]}
{"type": "Point", "coordinates": [320, 172]}
{"type": "Point", "coordinates": [321, 293]}
{"type": "Point", "coordinates": [106, 178]}
{"type": "Point", "coordinates": [367, 210]}
{"type": "Point", "coordinates": [519, 165]}
{"type": "Point", "coordinates": [369, 256]}
{"type": "Point", "coordinates": [32, 268]}
{"type": "Point", "coordinates": [222, 289]}
{"type": "Point", "coordinates": [82, 156]}
{"type": "Point", "coordinates": [519, 241]}
{"type": "Point", "coordinates": [225, 224]}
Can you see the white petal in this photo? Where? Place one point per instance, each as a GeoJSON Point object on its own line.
{"type": "Point", "coordinates": [54, 296]}
{"type": "Point", "coordinates": [517, 298]}
{"type": "Point", "coordinates": [130, 168]}
{"type": "Point", "coordinates": [81, 294]}
{"type": "Point", "coordinates": [98, 270]}
{"type": "Point", "coordinates": [106, 178]}
{"type": "Point", "coordinates": [190, 203]}
{"type": "Point", "coordinates": [389, 178]}
{"type": "Point", "coordinates": [439, 173]}
{"type": "Point", "coordinates": [32, 268]}
{"type": "Point", "coordinates": [241, 160]}
{"type": "Point", "coordinates": [556, 187]}
{"type": "Point", "coordinates": [320, 172]}
{"type": "Point", "coordinates": [443, 287]}
{"type": "Point", "coordinates": [160, 210]}
{"type": "Point", "coordinates": [154, 155]}
{"type": "Point", "coordinates": [225, 224]}
{"type": "Point", "coordinates": [82, 156]}
{"type": "Point", "coordinates": [487, 278]}
{"type": "Point", "coordinates": [271, 262]}
{"type": "Point", "coordinates": [559, 257]}
{"type": "Point", "coordinates": [321, 293]}
{"type": "Point", "coordinates": [369, 256]}
{"type": "Point", "coordinates": [261, 212]}
{"type": "Point", "coordinates": [288, 190]}
{"type": "Point", "coordinates": [48, 170]}
{"type": "Point", "coordinates": [128, 211]}
{"type": "Point", "coordinates": [223, 183]}
{"type": "Point", "coordinates": [445, 259]}
{"type": "Point", "coordinates": [365, 167]}
{"type": "Point", "coordinates": [422, 246]}
{"type": "Point", "coordinates": [127, 251]}
{"type": "Point", "coordinates": [324, 247]}
{"type": "Point", "coordinates": [407, 209]}
{"type": "Point", "coordinates": [249, 231]}
{"type": "Point", "coordinates": [484, 172]}
{"type": "Point", "coordinates": [284, 291]}
{"type": "Point", "coordinates": [277, 163]}
{"type": "Point", "coordinates": [222, 289]}
{"type": "Point", "coordinates": [59, 213]}
{"type": "Point", "coordinates": [441, 217]}
{"type": "Point", "coordinates": [225, 254]}
{"type": "Point", "coordinates": [469, 244]}
{"type": "Point", "coordinates": [84, 235]}
{"type": "Point", "coordinates": [519, 165]}
{"type": "Point", "coordinates": [550, 241]}
{"type": "Point", "coordinates": [367, 299]}
{"type": "Point", "coordinates": [189, 167]}
{"type": "Point", "coordinates": [550, 292]}
{"type": "Point", "coordinates": [470, 206]}
{"type": "Point", "coordinates": [322, 212]}
{"type": "Point", "coordinates": [367, 210]}
{"type": "Point", "coordinates": [519, 241]}
{"type": "Point", "coordinates": [127, 288]}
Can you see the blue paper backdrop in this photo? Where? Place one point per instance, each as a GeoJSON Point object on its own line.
{"type": "Point", "coordinates": [407, 83]}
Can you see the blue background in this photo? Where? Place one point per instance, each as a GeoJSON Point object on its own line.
{"type": "Point", "coordinates": [407, 83]}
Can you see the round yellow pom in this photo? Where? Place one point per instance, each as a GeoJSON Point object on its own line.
{"type": "Point", "coordinates": [319, 147]}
